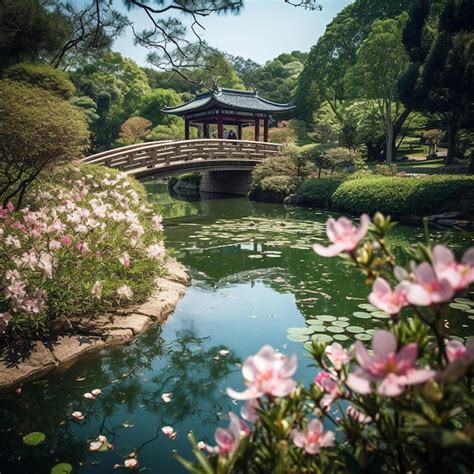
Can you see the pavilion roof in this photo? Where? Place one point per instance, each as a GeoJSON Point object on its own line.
{"type": "Point", "coordinates": [244, 101]}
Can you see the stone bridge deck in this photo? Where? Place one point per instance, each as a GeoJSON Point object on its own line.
{"type": "Point", "coordinates": [166, 158]}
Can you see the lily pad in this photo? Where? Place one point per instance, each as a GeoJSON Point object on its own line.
{"type": "Point", "coordinates": [341, 324]}
{"type": "Point", "coordinates": [61, 468]}
{"type": "Point", "coordinates": [323, 338]}
{"type": "Point", "coordinates": [371, 331]}
{"type": "Point", "coordinates": [363, 336]}
{"type": "Point", "coordinates": [354, 329]}
{"type": "Point", "coordinates": [460, 306]}
{"type": "Point", "coordinates": [341, 337]}
{"type": "Point", "coordinates": [34, 438]}
{"type": "Point", "coordinates": [469, 311]}
{"type": "Point", "coordinates": [317, 328]}
{"type": "Point", "coordinates": [314, 322]}
{"type": "Point", "coordinates": [367, 306]}
{"type": "Point", "coordinates": [464, 301]}
{"type": "Point", "coordinates": [326, 318]}
{"type": "Point", "coordinates": [362, 315]}
{"type": "Point", "coordinates": [380, 315]}
{"type": "Point", "coordinates": [297, 337]}
{"type": "Point", "coordinates": [299, 331]}
{"type": "Point", "coordinates": [335, 329]}
{"type": "Point", "coordinates": [343, 318]}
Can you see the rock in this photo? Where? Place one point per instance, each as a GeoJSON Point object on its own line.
{"type": "Point", "coordinates": [136, 322]}
{"type": "Point", "coordinates": [69, 348]}
{"type": "Point", "coordinates": [39, 363]}
{"type": "Point", "coordinates": [292, 200]}
{"type": "Point", "coordinates": [177, 272]}
{"type": "Point", "coordinates": [445, 215]}
{"type": "Point", "coordinates": [118, 336]}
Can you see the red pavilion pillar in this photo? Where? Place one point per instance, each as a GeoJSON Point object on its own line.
{"type": "Point", "coordinates": [265, 129]}
{"type": "Point", "coordinates": [257, 129]}
{"type": "Point", "coordinates": [239, 131]}
{"type": "Point", "coordinates": [206, 130]}
{"type": "Point", "coordinates": [220, 126]}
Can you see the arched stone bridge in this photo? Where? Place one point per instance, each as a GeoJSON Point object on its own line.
{"type": "Point", "coordinates": [166, 158]}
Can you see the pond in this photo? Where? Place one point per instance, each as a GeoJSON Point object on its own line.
{"type": "Point", "coordinates": [255, 281]}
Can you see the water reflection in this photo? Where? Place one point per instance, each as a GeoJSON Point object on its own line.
{"type": "Point", "coordinates": [130, 411]}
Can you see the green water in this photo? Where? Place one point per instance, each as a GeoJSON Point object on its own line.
{"type": "Point", "coordinates": [254, 276]}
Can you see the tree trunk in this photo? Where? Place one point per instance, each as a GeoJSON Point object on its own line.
{"type": "Point", "coordinates": [375, 150]}
{"type": "Point", "coordinates": [388, 133]}
{"type": "Point", "coordinates": [452, 130]}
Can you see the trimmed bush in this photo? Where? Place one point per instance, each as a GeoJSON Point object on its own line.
{"type": "Point", "coordinates": [272, 189]}
{"type": "Point", "coordinates": [403, 196]}
{"type": "Point", "coordinates": [44, 76]}
{"type": "Point", "coordinates": [317, 192]}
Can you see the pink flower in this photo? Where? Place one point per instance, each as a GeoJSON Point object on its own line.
{"type": "Point", "coordinates": [266, 373]}
{"type": "Point", "coordinates": [156, 251]}
{"type": "Point", "coordinates": [66, 240]}
{"type": "Point", "coordinates": [96, 392]}
{"type": "Point", "coordinates": [228, 439]}
{"type": "Point", "coordinates": [459, 275]}
{"type": "Point", "coordinates": [344, 236]}
{"type": "Point", "coordinates": [77, 415]}
{"type": "Point", "coordinates": [83, 247]}
{"type": "Point", "coordinates": [125, 292]}
{"type": "Point", "coordinates": [386, 299]}
{"type": "Point", "coordinates": [166, 397]}
{"type": "Point", "coordinates": [337, 355]}
{"type": "Point", "coordinates": [428, 289]}
{"type": "Point", "coordinates": [124, 259]}
{"type": "Point", "coordinates": [130, 463]}
{"type": "Point", "coordinates": [459, 357]}
{"type": "Point", "coordinates": [169, 431]}
{"type": "Point", "coordinates": [157, 222]}
{"type": "Point", "coordinates": [249, 411]}
{"type": "Point", "coordinates": [325, 381]}
{"type": "Point", "coordinates": [393, 370]}
{"type": "Point", "coordinates": [313, 438]}
{"type": "Point", "coordinates": [358, 415]}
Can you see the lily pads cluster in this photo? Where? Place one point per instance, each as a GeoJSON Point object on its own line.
{"type": "Point", "coordinates": [465, 305]}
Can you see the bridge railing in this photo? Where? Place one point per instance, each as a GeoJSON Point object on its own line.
{"type": "Point", "coordinates": [134, 158]}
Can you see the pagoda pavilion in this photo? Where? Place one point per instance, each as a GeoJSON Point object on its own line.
{"type": "Point", "coordinates": [230, 107]}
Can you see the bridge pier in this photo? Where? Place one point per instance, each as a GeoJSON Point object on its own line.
{"type": "Point", "coordinates": [235, 183]}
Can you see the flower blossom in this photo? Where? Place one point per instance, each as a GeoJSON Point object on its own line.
{"type": "Point", "coordinates": [313, 437]}
{"type": "Point", "coordinates": [228, 439]}
{"type": "Point", "coordinates": [156, 251]}
{"type": "Point", "coordinates": [77, 415]}
{"type": "Point", "coordinates": [124, 259]}
{"type": "Point", "coordinates": [249, 411]}
{"type": "Point", "coordinates": [130, 463]}
{"type": "Point", "coordinates": [386, 299]}
{"type": "Point", "coordinates": [337, 355]}
{"type": "Point", "coordinates": [169, 432]}
{"type": "Point", "coordinates": [125, 292]}
{"type": "Point", "coordinates": [344, 236]}
{"type": "Point", "coordinates": [459, 275]}
{"type": "Point", "coordinates": [460, 357]}
{"type": "Point", "coordinates": [157, 222]}
{"type": "Point", "coordinates": [166, 397]}
{"type": "Point", "coordinates": [326, 383]}
{"type": "Point", "coordinates": [393, 370]}
{"type": "Point", "coordinates": [358, 415]}
{"type": "Point", "coordinates": [428, 288]}
{"type": "Point", "coordinates": [266, 373]}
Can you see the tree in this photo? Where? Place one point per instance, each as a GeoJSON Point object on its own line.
{"type": "Point", "coordinates": [322, 78]}
{"type": "Point", "coordinates": [151, 105]}
{"type": "Point", "coordinates": [38, 129]}
{"type": "Point", "coordinates": [133, 130]}
{"type": "Point", "coordinates": [44, 76]}
{"type": "Point", "coordinates": [440, 79]}
{"type": "Point", "coordinates": [380, 62]}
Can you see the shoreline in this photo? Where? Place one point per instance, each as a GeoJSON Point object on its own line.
{"type": "Point", "coordinates": [99, 332]}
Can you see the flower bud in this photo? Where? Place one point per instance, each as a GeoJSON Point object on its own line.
{"type": "Point", "coordinates": [432, 391]}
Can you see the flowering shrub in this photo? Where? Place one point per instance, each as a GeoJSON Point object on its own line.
{"type": "Point", "coordinates": [404, 406]}
{"type": "Point", "coordinates": [87, 242]}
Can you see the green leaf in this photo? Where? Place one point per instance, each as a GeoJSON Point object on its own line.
{"type": "Point", "coordinates": [34, 438]}
{"type": "Point", "coordinates": [61, 468]}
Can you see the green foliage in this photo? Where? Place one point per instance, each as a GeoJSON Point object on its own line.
{"type": "Point", "coordinates": [29, 31]}
{"type": "Point", "coordinates": [84, 253]}
{"type": "Point", "coordinates": [403, 196]}
{"type": "Point", "coordinates": [175, 131]}
{"type": "Point", "coordinates": [317, 192]}
{"type": "Point", "coordinates": [38, 129]}
{"type": "Point", "coordinates": [44, 76]}
{"type": "Point", "coordinates": [151, 105]}
{"type": "Point", "coordinates": [88, 108]}
{"type": "Point", "coordinates": [273, 179]}
{"type": "Point", "coordinates": [133, 130]}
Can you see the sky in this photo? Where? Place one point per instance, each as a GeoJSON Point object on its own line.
{"type": "Point", "coordinates": [263, 30]}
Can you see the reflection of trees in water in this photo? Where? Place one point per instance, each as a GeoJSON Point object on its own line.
{"type": "Point", "coordinates": [132, 378]}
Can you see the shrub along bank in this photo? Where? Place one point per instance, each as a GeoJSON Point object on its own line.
{"type": "Point", "coordinates": [395, 195]}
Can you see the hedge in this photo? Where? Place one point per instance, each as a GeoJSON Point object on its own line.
{"type": "Point", "coordinates": [318, 192]}
{"type": "Point", "coordinates": [406, 195]}
{"type": "Point", "coordinates": [272, 189]}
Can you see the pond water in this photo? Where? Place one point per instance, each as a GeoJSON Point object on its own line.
{"type": "Point", "coordinates": [254, 277]}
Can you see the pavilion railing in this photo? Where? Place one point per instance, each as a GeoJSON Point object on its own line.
{"type": "Point", "coordinates": [134, 159]}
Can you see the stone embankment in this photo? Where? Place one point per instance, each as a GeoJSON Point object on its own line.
{"type": "Point", "coordinates": [98, 332]}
